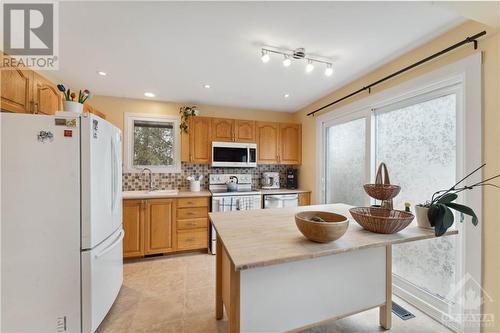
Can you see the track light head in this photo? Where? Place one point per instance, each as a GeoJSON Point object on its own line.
{"type": "Point", "coordinates": [287, 61]}
{"type": "Point", "coordinates": [329, 70]}
{"type": "Point", "coordinates": [309, 66]}
{"type": "Point", "coordinates": [265, 56]}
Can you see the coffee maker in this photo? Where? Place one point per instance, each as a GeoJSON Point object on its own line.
{"type": "Point", "coordinates": [291, 179]}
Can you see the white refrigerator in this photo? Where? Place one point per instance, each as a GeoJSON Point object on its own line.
{"type": "Point", "coordinates": [61, 222]}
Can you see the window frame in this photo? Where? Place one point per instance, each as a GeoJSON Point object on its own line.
{"type": "Point", "coordinates": [128, 147]}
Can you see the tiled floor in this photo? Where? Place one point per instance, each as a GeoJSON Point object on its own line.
{"type": "Point", "coordinates": [176, 295]}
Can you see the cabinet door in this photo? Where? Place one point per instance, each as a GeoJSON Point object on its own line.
{"type": "Point", "coordinates": [133, 224]}
{"type": "Point", "coordinates": [46, 96]}
{"type": "Point", "coordinates": [305, 199]}
{"type": "Point", "coordinates": [244, 131]}
{"type": "Point", "coordinates": [267, 142]}
{"type": "Point", "coordinates": [159, 228]}
{"type": "Point", "coordinates": [222, 129]}
{"type": "Point", "coordinates": [16, 90]}
{"type": "Point", "coordinates": [200, 144]}
{"type": "Point", "coordinates": [290, 144]}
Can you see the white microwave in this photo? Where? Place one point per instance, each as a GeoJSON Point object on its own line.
{"type": "Point", "coordinates": [234, 154]}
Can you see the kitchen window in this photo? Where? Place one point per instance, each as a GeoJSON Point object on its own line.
{"type": "Point", "coordinates": [153, 142]}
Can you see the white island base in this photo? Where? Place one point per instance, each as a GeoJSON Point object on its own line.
{"type": "Point", "coordinates": [300, 294]}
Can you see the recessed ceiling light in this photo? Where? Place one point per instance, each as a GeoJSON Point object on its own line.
{"type": "Point", "coordinates": [206, 86]}
{"type": "Point", "coordinates": [286, 95]}
{"type": "Point", "coordinates": [149, 94]}
{"type": "Point", "coordinates": [101, 73]}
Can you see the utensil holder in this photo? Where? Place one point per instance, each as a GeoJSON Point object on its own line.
{"type": "Point", "coordinates": [194, 186]}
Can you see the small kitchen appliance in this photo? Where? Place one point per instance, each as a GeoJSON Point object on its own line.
{"type": "Point", "coordinates": [291, 179]}
{"type": "Point", "coordinates": [270, 180]}
{"type": "Point", "coordinates": [225, 200]}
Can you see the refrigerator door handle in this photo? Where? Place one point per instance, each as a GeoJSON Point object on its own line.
{"type": "Point", "coordinates": [112, 245]}
{"type": "Point", "coordinates": [113, 174]}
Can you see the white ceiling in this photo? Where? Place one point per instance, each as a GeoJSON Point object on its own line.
{"type": "Point", "coordinates": [172, 49]}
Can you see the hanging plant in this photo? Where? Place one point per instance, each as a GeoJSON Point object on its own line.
{"type": "Point", "coordinates": [186, 112]}
{"type": "Point", "coordinates": [439, 207]}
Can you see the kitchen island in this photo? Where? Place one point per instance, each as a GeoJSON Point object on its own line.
{"type": "Point", "coordinates": [270, 278]}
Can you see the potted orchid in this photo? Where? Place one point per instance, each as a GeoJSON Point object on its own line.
{"type": "Point", "coordinates": [71, 102]}
{"type": "Point", "coordinates": [437, 213]}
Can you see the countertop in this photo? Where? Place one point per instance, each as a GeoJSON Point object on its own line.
{"type": "Point", "coordinates": [281, 191]}
{"type": "Point", "coordinates": [154, 194]}
{"type": "Point", "coordinates": [186, 193]}
{"type": "Point", "coordinates": [266, 237]}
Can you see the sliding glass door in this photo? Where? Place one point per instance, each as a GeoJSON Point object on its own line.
{"type": "Point", "coordinates": [346, 158]}
{"type": "Point", "coordinates": [419, 140]}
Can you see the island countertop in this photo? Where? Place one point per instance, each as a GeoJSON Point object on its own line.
{"type": "Point", "coordinates": [264, 237]}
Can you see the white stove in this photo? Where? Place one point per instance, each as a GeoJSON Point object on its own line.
{"type": "Point", "coordinates": [244, 198]}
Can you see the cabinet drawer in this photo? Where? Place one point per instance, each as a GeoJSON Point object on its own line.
{"type": "Point", "coordinates": [192, 239]}
{"type": "Point", "coordinates": [192, 202]}
{"type": "Point", "coordinates": [192, 223]}
{"type": "Point", "coordinates": [191, 213]}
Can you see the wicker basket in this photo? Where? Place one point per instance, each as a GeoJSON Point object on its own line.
{"type": "Point", "coordinates": [382, 189]}
{"type": "Point", "coordinates": [380, 220]}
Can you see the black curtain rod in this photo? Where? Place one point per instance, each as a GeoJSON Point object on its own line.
{"type": "Point", "coordinates": [471, 39]}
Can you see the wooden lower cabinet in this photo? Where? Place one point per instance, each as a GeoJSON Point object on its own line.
{"type": "Point", "coordinates": [133, 224]}
{"type": "Point", "coordinates": [157, 226]}
{"type": "Point", "coordinates": [304, 199]}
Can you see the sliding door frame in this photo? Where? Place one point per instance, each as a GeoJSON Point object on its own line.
{"type": "Point", "coordinates": [465, 73]}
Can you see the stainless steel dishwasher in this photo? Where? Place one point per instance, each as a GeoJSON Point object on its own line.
{"type": "Point", "coordinates": [281, 200]}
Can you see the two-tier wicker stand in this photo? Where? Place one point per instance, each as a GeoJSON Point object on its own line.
{"type": "Point", "coordinates": [382, 219]}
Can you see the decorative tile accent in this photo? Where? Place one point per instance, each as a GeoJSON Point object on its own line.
{"type": "Point", "coordinates": [164, 181]}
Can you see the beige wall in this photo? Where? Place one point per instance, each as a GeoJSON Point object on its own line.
{"type": "Point", "coordinates": [115, 107]}
{"type": "Point", "coordinates": [491, 73]}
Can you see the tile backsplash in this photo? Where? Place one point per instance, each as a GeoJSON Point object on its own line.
{"type": "Point", "coordinates": [163, 181]}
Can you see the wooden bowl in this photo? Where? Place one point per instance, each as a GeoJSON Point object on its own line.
{"type": "Point", "coordinates": [333, 228]}
{"type": "Point", "coordinates": [380, 220]}
{"type": "Point", "coordinates": [382, 191]}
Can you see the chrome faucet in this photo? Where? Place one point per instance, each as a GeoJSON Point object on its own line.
{"type": "Point", "coordinates": [150, 178]}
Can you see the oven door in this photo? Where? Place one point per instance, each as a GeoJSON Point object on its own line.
{"type": "Point", "coordinates": [228, 154]}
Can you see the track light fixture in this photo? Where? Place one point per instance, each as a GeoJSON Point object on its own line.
{"type": "Point", "coordinates": [297, 54]}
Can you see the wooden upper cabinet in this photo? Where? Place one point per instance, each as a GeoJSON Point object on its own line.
{"type": "Point", "coordinates": [290, 144]}
{"type": "Point", "coordinates": [222, 129]}
{"type": "Point", "coordinates": [16, 90]}
{"type": "Point", "coordinates": [159, 226]}
{"type": "Point", "coordinates": [46, 97]}
{"type": "Point", "coordinates": [244, 130]}
{"type": "Point", "coordinates": [200, 140]}
{"type": "Point", "coordinates": [133, 224]}
{"type": "Point", "coordinates": [267, 142]}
